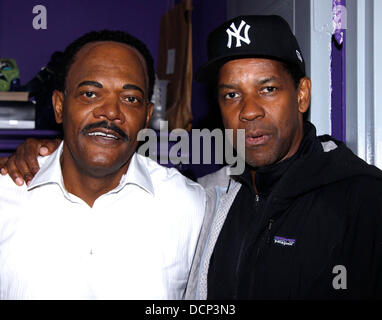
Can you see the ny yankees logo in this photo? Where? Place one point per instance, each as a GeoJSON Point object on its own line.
{"type": "Point", "coordinates": [236, 33]}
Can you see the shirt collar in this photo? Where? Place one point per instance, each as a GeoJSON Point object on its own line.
{"type": "Point", "coordinates": [138, 174]}
{"type": "Point", "coordinates": [50, 172]}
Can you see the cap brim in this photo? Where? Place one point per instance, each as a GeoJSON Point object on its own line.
{"type": "Point", "coordinates": [210, 70]}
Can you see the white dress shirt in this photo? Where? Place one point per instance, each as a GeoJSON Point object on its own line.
{"type": "Point", "coordinates": [136, 242]}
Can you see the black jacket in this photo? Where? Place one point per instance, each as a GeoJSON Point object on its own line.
{"type": "Point", "coordinates": [329, 206]}
{"type": "Point", "coordinates": [320, 232]}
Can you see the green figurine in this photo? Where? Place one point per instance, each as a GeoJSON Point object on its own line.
{"type": "Point", "coordinates": [9, 73]}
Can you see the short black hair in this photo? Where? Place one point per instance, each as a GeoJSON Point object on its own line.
{"type": "Point", "coordinates": [296, 76]}
{"type": "Point", "coordinates": [294, 72]}
{"type": "Point", "coordinates": [105, 35]}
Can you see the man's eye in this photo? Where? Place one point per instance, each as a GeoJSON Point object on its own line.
{"type": "Point", "coordinates": [231, 95]}
{"type": "Point", "coordinates": [269, 89]}
{"type": "Point", "coordinates": [89, 94]}
{"type": "Point", "coordinates": [131, 99]}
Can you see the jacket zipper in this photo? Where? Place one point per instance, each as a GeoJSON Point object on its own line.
{"type": "Point", "coordinates": [268, 236]}
{"type": "Point", "coordinates": [267, 239]}
{"type": "Point", "coordinates": [259, 250]}
{"type": "Point", "coordinates": [257, 200]}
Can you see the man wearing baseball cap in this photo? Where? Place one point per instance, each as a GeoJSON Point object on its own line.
{"type": "Point", "coordinates": [304, 221]}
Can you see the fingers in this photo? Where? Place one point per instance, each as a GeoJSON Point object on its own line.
{"type": "Point", "coordinates": [3, 167]}
{"type": "Point", "coordinates": [27, 154]}
{"type": "Point", "coordinates": [26, 158]}
{"type": "Point", "coordinates": [23, 164]}
{"type": "Point", "coordinates": [49, 146]}
{"type": "Point", "coordinates": [14, 172]}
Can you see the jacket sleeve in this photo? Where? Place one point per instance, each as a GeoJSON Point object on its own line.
{"type": "Point", "coordinates": [362, 250]}
{"type": "Point", "coordinates": [193, 280]}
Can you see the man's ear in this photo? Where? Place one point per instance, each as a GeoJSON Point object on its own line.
{"type": "Point", "coordinates": [150, 108]}
{"type": "Point", "coordinates": [58, 102]}
{"type": "Point", "coordinates": [303, 94]}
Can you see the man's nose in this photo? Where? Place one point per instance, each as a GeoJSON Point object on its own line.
{"type": "Point", "coordinates": [251, 109]}
{"type": "Point", "coordinates": [110, 110]}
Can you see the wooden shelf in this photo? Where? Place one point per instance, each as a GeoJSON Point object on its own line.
{"type": "Point", "coordinates": [14, 96]}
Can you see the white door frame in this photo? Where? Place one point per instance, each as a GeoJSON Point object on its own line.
{"type": "Point", "coordinates": [363, 81]}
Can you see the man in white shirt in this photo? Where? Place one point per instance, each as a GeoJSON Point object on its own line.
{"type": "Point", "coordinates": [99, 221]}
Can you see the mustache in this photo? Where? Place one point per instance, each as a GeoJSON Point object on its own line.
{"type": "Point", "coordinates": [106, 125]}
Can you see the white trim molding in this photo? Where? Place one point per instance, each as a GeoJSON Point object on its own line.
{"type": "Point", "coordinates": [363, 78]}
{"type": "Point", "coordinates": [321, 28]}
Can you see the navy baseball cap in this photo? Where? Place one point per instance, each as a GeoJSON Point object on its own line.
{"type": "Point", "coordinates": [251, 36]}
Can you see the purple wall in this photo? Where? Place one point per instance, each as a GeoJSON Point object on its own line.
{"type": "Point", "coordinates": [67, 20]}
{"type": "Point", "coordinates": [338, 75]}
{"type": "Point", "coordinates": [207, 15]}
{"type": "Point", "coordinates": [338, 68]}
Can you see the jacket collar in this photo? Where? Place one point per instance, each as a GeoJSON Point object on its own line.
{"type": "Point", "coordinates": [267, 177]}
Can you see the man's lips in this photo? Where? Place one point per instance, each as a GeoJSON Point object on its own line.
{"type": "Point", "coordinates": [103, 134]}
{"type": "Point", "coordinates": [257, 138]}
{"type": "Point", "coordinates": [105, 130]}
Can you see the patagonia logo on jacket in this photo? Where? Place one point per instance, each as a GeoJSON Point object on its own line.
{"type": "Point", "coordinates": [284, 241]}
